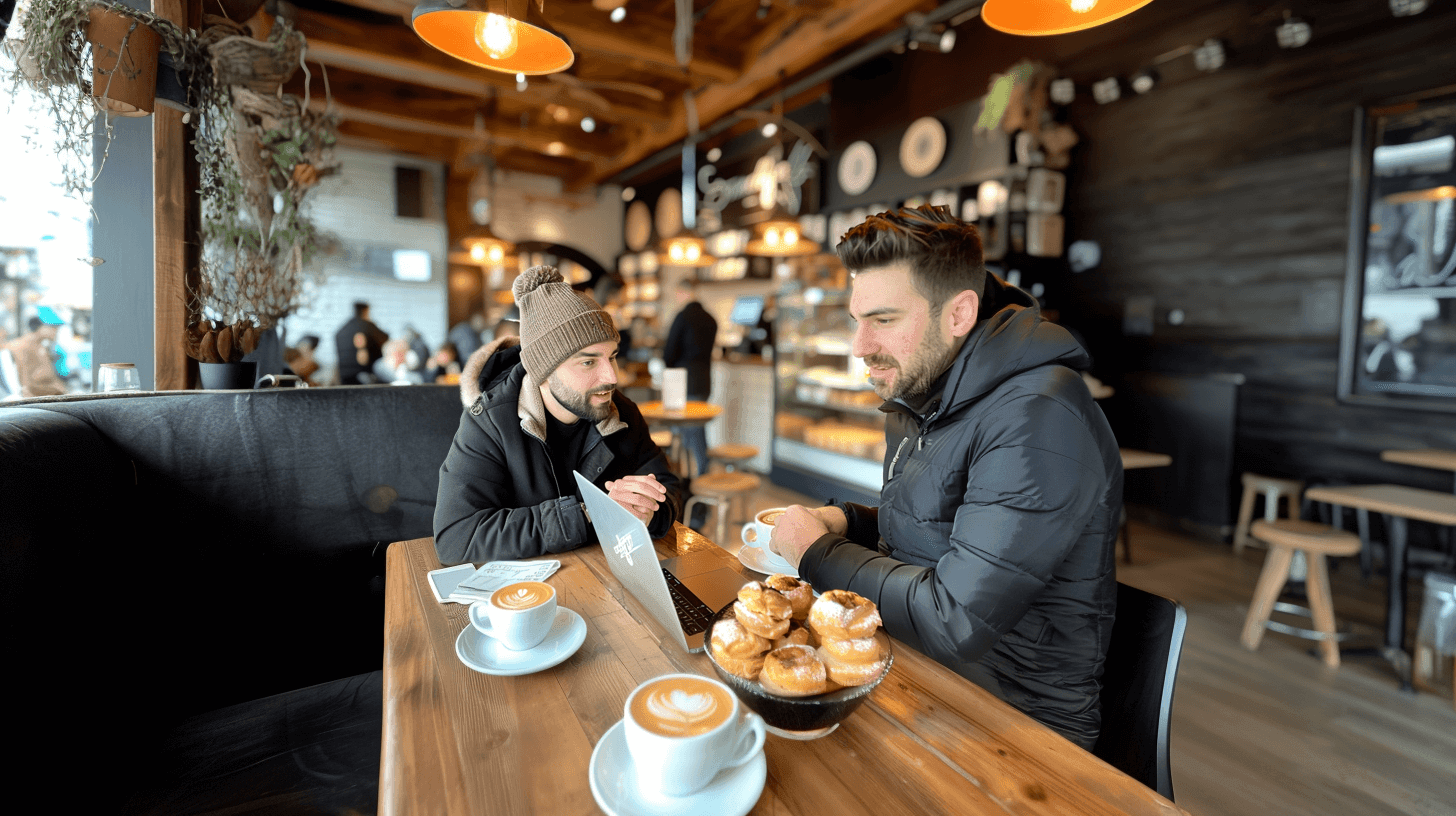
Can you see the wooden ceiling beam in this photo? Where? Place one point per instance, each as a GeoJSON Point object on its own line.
{"type": "Point", "coordinates": [799, 46]}
{"type": "Point", "coordinates": [394, 52]}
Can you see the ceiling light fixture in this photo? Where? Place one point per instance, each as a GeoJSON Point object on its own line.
{"type": "Point", "coordinates": [1407, 8]}
{"type": "Point", "coordinates": [588, 124]}
{"type": "Point", "coordinates": [1210, 56]}
{"type": "Point", "coordinates": [1041, 18]}
{"type": "Point", "coordinates": [629, 193]}
{"type": "Point", "coordinates": [1144, 80]}
{"type": "Point", "coordinates": [1063, 91]}
{"type": "Point", "coordinates": [715, 153]}
{"type": "Point", "coordinates": [618, 14]}
{"type": "Point", "coordinates": [556, 148]}
{"type": "Point", "coordinates": [769, 129]}
{"type": "Point", "coordinates": [491, 34]}
{"type": "Point", "coordinates": [1107, 91]}
{"type": "Point", "coordinates": [780, 236]}
{"type": "Point", "coordinates": [1293, 32]}
{"type": "Point", "coordinates": [688, 248]}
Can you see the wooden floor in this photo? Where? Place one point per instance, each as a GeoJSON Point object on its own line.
{"type": "Point", "coordinates": [1274, 731]}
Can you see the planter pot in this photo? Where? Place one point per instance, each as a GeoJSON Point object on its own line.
{"type": "Point", "coordinates": [171, 84]}
{"type": "Point", "coordinates": [124, 66]}
{"type": "Point", "coordinates": [228, 376]}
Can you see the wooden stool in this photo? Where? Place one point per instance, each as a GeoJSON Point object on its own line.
{"type": "Point", "coordinates": [719, 490]}
{"type": "Point", "coordinates": [1272, 489]}
{"type": "Point", "coordinates": [731, 454]}
{"type": "Point", "coordinates": [1284, 537]}
{"type": "Point", "coordinates": [662, 439]}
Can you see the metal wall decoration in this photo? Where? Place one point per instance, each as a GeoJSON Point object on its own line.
{"type": "Point", "coordinates": [638, 226]}
{"type": "Point", "coordinates": [922, 147]}
{"type": "Point", "coordinates": [857, 168]}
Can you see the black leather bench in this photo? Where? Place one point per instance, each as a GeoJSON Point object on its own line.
{"type": "Point", "coordinates": [192, 588]}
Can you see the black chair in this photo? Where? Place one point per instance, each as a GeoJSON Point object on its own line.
{"type": "Point", "coordinates": [1137, 686]}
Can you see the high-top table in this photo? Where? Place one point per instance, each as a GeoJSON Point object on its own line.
{"type": "Point", "coordinates": [926, 741]}
{"type": "Point", "coordinates": [1433, 458]}
{"type": "Point", "coordinates": [693, 414]}
{"type": "Point", "coordinates": [1398, 504]}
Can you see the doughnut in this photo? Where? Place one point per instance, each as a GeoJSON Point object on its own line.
{"type": "Point", "coordinates": [856, 650]}
{"type": "Point", "coordinates": [759, 623]}
{"type": "Point", "coordinates": [793, 671]}
{"type": "Point", "coordinates": [745, 667]}
{"type": "Point", "coordinates": [854, 674]}
{"type": "Point", "coordinates": [843, 615]}
{"type": "Point", "coordinates": [732, 640]}
{"type": "Point", "coordinates": [796, 636]}
{"type": "Point", "coordinates": [765, 601]}
{"type": "Point", "coordinates": [799, 593]}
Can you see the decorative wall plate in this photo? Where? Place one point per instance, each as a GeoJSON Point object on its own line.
{"type": "Point", "coordinates": [922, 147]}
{"type": "Point", "coordinates": [669, 216]}
{"type": "Point", "coordinates": [638, 227]}
{"type": "Point", "coordinates": [857, 168]}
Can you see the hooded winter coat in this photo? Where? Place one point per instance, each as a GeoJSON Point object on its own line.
{"type": "Point", "coordinates": [992, 548]}
{"type": "Point", "coordinates": [499, 498]}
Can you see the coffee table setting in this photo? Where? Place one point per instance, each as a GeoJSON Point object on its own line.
{"type": "Point", "coordinates": [755, 553]}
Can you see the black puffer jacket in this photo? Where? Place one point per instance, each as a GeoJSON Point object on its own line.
{"type": "Point", "coordinates": [992, 548]}
{"type": "Point", "coordinates": [499, 498]}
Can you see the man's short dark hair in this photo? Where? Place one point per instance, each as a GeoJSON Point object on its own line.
{"type": "Point", "coordinates": [943, 251]}
{"type": "Point", "coordinates": [360, 307]}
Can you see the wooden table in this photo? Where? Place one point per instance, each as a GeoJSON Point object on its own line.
{"type": "Point", "coordinates": [1397, 503]}
{"type": "Point", "coordinates": [693, 414]}
{"type": "Point", "coordinates": [1428, 458]}
{"type": "Point", "coordinates": [926, 741]}
{"type": "Point", "coordinates": [1133, 459]}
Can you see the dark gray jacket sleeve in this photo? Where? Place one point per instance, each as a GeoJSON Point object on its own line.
{"type": "Point", "coordinates": [471, 521]}
{"type": "Point", "coordinates": [1030, 490]}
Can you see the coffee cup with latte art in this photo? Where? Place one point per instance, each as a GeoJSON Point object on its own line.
{"type": "Point", "coordinates": [682, 729]}
{"type": "Point", "coordinates": [519, 615]}
{"type": "Point", "coordinates": [758, 533]}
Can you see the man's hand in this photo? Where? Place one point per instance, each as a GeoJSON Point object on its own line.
{"type": "Point", "coordinates": [797, 528]}
{"type": "Point", "coordinates": [641, 495]}
{"type": "Point", "coordinates": [834, 519]}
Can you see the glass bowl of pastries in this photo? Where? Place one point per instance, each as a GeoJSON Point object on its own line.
{"type": "Point", "coordinates": [803, 663]}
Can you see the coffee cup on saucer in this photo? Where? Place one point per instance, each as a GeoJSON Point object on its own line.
{"type": "Point", "coordinates": [682, 729]}
{"type": "Point", "coordinates": [518, 615]}
{"type": "Point", "coordinates": [759, 532]}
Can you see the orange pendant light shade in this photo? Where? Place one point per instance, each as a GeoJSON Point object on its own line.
{"type": "Point", "coordinates": [486, 248]}
{"type": "Point", "coordinates": [687, 248]}
{"type": "Point", "coordinates": [780, 236]}
{"type": "Point", "coordinates": [496, 38]}
{"type": "Point", "coordinates": [1040, 18]}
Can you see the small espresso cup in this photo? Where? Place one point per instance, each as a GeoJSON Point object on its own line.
{"type": "Point", "coordinates": [682, 729]}
{"type": "Point", "coordinates": [760, 532]}
{"type": "Point", "coordinates": [519, 615]}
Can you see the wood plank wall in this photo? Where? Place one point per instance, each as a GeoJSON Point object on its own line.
{"type": "Point", "coordinates": [1225, 195]}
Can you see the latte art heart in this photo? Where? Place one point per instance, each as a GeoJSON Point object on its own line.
{"type": "Point", "coordinates": [678, 706]}
{"type": "Point", "coordinates": [522, 596]}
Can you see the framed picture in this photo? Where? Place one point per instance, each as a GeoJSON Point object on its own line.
{"type": "Point", "coordinates": [1398, 333]}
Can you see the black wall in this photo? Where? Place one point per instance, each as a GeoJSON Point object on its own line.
{"type": "Point", "coordinates": [1225, 195]}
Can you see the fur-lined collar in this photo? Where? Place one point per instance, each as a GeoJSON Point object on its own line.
{"type": "Point", "coordinates": [530, 407]}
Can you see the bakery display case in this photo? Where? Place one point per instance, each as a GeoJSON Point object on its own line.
{"type": "Point", "coordinates": [829, 434]}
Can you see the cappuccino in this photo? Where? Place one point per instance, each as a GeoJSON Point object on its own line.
{"type": "Point", "coordinates": [523, 595]}
{"type": "Point", "coordinates": [681, 706]}
{"type": "Point", "coordinates": [760, 532]}
{"type": "Point", "coordinates": [770, 517]}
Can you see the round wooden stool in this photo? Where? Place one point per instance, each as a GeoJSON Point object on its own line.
{"type": "Point", "coordinates": [731, 454]}
{"type": "Point", "coordinates": [719, 490]}
{"type": "Point", "coordinates": [662, 439]}
{"type": "Point", "coordinates": [1271, 489]}
{"type": "Point", "coordinates": [1316, 541]}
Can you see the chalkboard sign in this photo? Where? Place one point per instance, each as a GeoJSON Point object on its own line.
{"type": "Point", "coordinates": [1398, 338]}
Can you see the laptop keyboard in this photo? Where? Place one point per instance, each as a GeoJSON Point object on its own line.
{"type": "Point", "coordinates": [694, 615]}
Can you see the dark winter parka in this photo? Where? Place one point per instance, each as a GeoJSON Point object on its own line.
{"type": "Point", "coordinates": [992, 547]}
{"type": "Point", "coordinates": [499, 498]}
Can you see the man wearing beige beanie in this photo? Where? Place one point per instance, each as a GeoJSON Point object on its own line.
{"type": "Point", "coordinates": [538, 407]}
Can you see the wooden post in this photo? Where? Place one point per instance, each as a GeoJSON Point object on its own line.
{"type": "Point", "coordinates": [176, 225]}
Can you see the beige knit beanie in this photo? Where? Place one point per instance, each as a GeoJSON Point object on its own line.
{"type": "Point", "coordinates": [556, 322]}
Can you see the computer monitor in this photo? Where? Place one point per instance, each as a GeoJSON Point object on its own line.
{"type": "Point", "coordinates": [747, 309]}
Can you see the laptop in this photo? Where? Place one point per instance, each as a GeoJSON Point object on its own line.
{"type": "Point", "coordinates": [681, 593]}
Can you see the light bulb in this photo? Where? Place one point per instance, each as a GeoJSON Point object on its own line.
{"type": "Point", "coordinates": [619, 14]}
{"type": "Point", "coordinates": [791, 236]}
{"type": "Point", "coordinates": [769, 129]}
{"type": "Point", "coordinates": [588, 124]}
{"type": "Point", "coordinates": [496, 35]}
{"type": "Point", "coordinates": [771, 236]}
{"type": "Point", "coordinates": [692, 252]}
{"type": "Point", "coordinates": [477, 253]}
{"type": "Point", "coordinates": [497, 254]}
{"type": "Point", "coordinates": [675, 251]}
{"type": "Point", "coordinates": [1083, 6]}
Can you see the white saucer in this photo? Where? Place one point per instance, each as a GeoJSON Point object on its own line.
{"type": "Point", "coordinates": [757, 560]}
{"type": "Point", "coordinates": [486, 654]}
{"type": "Point", "coordinates": [733, 792]}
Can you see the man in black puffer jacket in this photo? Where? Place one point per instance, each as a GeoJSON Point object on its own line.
{"type": "Point", "coordinates": [992, 547]}
{"type": "Point", "coordinates": [537, 408]}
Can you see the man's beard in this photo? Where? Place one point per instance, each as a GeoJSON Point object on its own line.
{"type": "Point", "coordinates": [580, 403]}
{"type": "Point", "coordinates": [919, 373]}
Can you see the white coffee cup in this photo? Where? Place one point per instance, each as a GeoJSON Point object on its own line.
{"type": "Point", "coordinates": [683, 729]}
{"type": "Point", "coordinates": [759, 532]}
{"type": "Point", "coordinates": [519, 615]}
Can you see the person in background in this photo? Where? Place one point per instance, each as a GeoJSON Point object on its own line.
{"type": "Point", "coordinates": [537, 408]}
{"type": "Point", "coordinates": [991, 549]}
{"type": "Point", "coordinates": [300, 359]}
{"type": "Point", "coordinates": [34, 356]}
{"type": "Point", "coordinates": [444, 364]}
{"type": "Point", "coordinates": [508, 326]}
{"type": "Point", "coordinates": [360, 345]}
{"type": "Point", "coordinates": [394, 366]}
{"type": "Point", "coordinates": [468, 335]}
{"type": "Point", "coordinates": [690, 345]}
{"type": "Point", "coordinates": [419, 350]}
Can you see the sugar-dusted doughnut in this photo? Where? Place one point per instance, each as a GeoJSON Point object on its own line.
{"type": "Point", "coordinates": [763, 600]}
{"type": "Point", "coordinates": [796, 636]}
{"type": "Point", "coordinates": [855, 650]}
{"type": "Point", "coordinates": [847, 673]}
{"type": "Point", "coordinates": [737, 650]}
{"type": "Point", "coordinates": [793, 671]}
{"type": "Point", "coordinates": [843, 615]}
{"type": "Point", "coordinates": [760, 623]}
{"type": "Point", "coordinates": [799, 593]}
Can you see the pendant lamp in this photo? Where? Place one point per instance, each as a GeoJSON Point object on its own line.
{"type": "Point", "coordinates": [486, 248]}
{"type": "Point", "coordinates": [688, 248]}
{"type": "Point", "coordinates": [1040, 18]}
{"type": "Point", "coordinates": [780, 236]}
{"type": "Point", "coordinates": [491, 34]}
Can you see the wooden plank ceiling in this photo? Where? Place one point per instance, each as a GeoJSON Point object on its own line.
{"type": "Point", "coordinates": [395, 91]}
